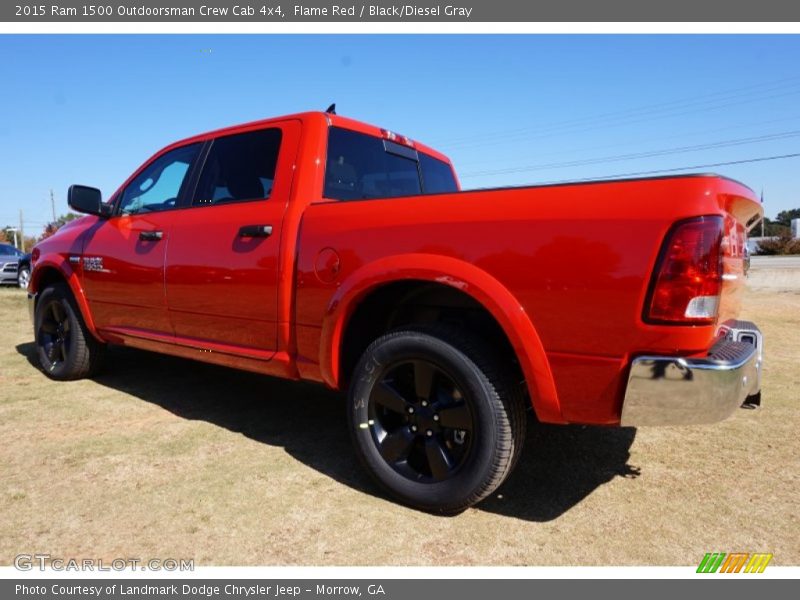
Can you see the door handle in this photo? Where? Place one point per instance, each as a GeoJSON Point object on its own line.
{"type": "Point", "coordinates": [251, 231]}
{"type": "Point", "coordinates": [150, 236]}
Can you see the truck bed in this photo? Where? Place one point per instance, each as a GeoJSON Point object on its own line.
{"type": "Point", "coordinates": [577, 257]}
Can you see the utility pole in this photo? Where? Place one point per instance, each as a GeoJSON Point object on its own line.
{"type": "Point", "coordinates": [21, 231]}
{"type": "Point", "coordinates": [53, 204]}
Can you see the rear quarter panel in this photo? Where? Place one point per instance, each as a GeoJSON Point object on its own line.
{"type": "Point", "coordinates": [577, 258]}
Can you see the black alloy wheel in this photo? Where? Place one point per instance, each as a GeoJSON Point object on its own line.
{"type": "Point", "coordinates": [435, 416]}
{"type": "Point", "coordinates": [54, 334]}
{"type": "Point", "coordinates": [421, 420]}
{"type": "Point", "coordinates": [64, 344]}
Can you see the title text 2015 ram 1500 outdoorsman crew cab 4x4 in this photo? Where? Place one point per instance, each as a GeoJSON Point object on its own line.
{"type": "Point", "coordinates": [317, 247]}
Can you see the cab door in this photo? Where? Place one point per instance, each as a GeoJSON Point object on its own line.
{"type": "Point", "coordinates": [223, 255]}
{"type": "Point", "coordinates": [123, 256]}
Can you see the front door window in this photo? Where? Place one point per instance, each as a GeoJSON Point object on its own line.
{"type": "Point", "coordinates": [160, 184]}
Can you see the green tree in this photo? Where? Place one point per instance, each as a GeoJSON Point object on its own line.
{"type": "Point", "coordinates": [64, 219]}
{"type": "Point", "coordinates": [7, 234]}
{"type": "Point", "coordinates": [779, 246]}
{"type": "Point", "coordinates": [785, 216]}
{"type": "Point", "coordinates": [54, 226]}
{"type": "Point", "coordinates": [772, 228]}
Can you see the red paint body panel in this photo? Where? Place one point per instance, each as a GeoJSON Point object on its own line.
{"type": "Point", "coordinates": [576, 260]}
{"type": "Point", "coordinates": [337, 302]}
{"type": "Point", "coordinates": [129, 291]}
{"type": "Point", "coordinates": [564, 270]}
{"type": "Point", "coordinates": [224, 288]}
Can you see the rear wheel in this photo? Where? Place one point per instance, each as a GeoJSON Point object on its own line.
{"type": "Point", "coordinates": [435, 418]}
{"type": "Point", "coordinates": [65, 348]}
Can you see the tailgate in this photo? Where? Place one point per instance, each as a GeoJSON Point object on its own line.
{"type": "Point", "coordinates": [743, 212]}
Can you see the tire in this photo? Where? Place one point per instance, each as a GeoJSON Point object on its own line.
{"type": "Point", "coordinates": [65, 348]}
{"type": "Point", "coordinates": [753, 401]}
{"type": "Point", "coordinates": [435, 418]}
{"type": "Point", "coordinates": [23, 277]}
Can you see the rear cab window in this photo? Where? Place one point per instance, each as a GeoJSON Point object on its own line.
{"type": "Point", "coordinates": [361, 166]}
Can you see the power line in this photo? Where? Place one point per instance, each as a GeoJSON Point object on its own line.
{"type": "Point", "coordinates": [691, 134]}
{"type": "Point", "coordinates": [622, 117]}
{"type": "Point", "coordinates": [29, 222]}
{"type": "Point", "coordinates": [676, 169]}
{"type": "Point", "coordinates": [617, 123]}
{"type": "Point", "coordinates": [680, 104]}
{"type": "Point", "coordinates": [638, 155]}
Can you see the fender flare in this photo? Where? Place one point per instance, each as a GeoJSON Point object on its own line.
{"type": "Point", "coordinates": [60, 264]}
{"type": "Point", "coordinates": [465, 277]}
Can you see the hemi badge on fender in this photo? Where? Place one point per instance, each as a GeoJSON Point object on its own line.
{"type": "Point", "coordinates": [93, 263]}
{"type": "Point", "coordinates": [74, 259]}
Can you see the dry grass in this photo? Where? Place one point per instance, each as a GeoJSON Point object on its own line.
{"type": "Point", "coordinates": [161, 457]}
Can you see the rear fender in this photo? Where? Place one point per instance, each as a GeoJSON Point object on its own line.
{"type": "Point", "coordinates": [467, 278]}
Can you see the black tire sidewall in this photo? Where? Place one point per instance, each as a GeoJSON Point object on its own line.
{"type": "Point", "coordinates": [472, 475]}
{"type": "Point", "coordinates": [56, 293]}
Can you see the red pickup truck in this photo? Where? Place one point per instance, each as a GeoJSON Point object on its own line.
{"type": "Point", "coordinates": [317, 247]}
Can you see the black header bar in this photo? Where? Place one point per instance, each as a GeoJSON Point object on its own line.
{"type": "Point", "coordinates": [476, 11]}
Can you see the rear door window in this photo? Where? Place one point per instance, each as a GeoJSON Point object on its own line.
{"type": "Point", "coordinates": [239, 168]}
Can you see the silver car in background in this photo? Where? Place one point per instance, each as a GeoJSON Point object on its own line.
{"type": "Point", "coordinates": [9, 264]}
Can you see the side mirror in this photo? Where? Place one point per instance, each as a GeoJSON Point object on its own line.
{"type": "Point", "coordinates": [85, 199]}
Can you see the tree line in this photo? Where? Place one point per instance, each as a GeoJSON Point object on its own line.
{"type": "Point", "coordinates": [780, 231]}
{"type": "Point", "coordinates": [7, 232]}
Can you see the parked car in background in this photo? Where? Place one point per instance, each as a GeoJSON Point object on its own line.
{"type": "Point", "coordinates": [9, 264]}
{"type": "Point", "coordinates": [24, 271]}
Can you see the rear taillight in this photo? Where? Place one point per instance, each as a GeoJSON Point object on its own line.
{"type": "Point", "coordinates": [688, 279]}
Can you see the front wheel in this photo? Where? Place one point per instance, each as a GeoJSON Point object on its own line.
{"type": "Point", "coordinates": [24, 277]}
{"type": "Point", "coordinates": [435, 418]}
{"type": "Point", "coordinates": [64, 345]}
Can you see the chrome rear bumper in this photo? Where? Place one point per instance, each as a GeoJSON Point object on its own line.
{"type": "Point", "coordinates": [670, 390]}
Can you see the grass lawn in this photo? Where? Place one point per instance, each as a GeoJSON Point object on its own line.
{"type": "Point", "coordinates": [161, 457]}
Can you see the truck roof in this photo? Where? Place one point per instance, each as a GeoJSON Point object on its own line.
{"type": "Point", "coordinates": [309, 117]}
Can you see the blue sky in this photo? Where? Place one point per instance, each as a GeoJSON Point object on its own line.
{"type": "Point", "coordinates": [91, 108]}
